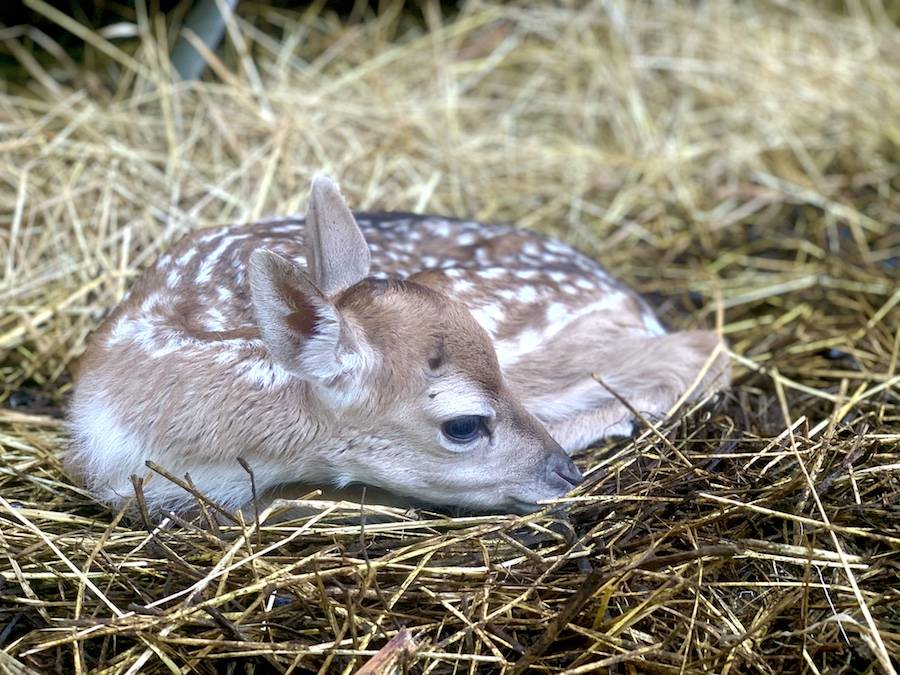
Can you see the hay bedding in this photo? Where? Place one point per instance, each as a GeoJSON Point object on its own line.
{"type": "Point", "coordinates": [737, 163]}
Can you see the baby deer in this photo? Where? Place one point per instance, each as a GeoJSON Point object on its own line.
{"type": "Point", "coordinates": [441, 359]}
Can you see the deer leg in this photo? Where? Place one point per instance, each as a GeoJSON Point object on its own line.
{"type": "Point", "coordinates": [650, 373]}
{"type": "Point", "coordinates": [586, 427]}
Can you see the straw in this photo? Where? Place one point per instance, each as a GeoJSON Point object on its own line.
{"type": "Point", "coordinates": [738, 163]}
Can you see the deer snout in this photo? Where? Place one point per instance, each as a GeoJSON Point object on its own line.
{"type": "Point", "coordinates": [561, 469]}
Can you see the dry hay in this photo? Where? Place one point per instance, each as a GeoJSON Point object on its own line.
{"type": "Point", "coordinates": [737, 163]}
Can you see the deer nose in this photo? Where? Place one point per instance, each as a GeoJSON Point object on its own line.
{"type": "Point", "coordinates": [559, 465]}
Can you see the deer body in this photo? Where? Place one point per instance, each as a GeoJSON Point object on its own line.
{"type": "Point", "coordinates": [336, 350]}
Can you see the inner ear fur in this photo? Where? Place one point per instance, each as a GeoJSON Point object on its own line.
{"type": "Point", "coordinates": [290, 309]}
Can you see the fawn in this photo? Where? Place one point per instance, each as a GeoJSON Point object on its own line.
{"type": "Point", "coordinates": [440, 359]}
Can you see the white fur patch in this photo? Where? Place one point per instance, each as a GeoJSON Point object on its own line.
{"type": "Point", "coordinates": [204, 274]}
{"type": "Point", "coordinates": [557, 312]}
{"type": "Point", "coordinates": [440, 228]}
{"type": "Point", "coordinates": [110, 451]}
{"type": "Point", "coordinates": [489, 317]}
{"type": "Point", "coordinates": [215, 320]}
{"type": "Point", "coordinates": [492, 273]}
{"type": "Point", "coordinates": [120, 332]}
{"type": "Point", "coordinates": [264, 373]}
{"type": "Point", "coordinates": [463, 286]}
{"type": "Point", "coordinates": [557, 276]}
{"type": "Point", "coordinates": [526, 294]}
{"type": "Point", "coordinates": [151, 302]}
{"type": "Point", "coordinates": [509, 351]}
{"type": "Point", "coordinates": [213, 235]}
{"type": "Point", "coordinates": [454, 396]}
{"type": "Point", "coordinates": [557, 247]}
{"type": "Point", "coordinates": [185, 258]}
{"type": "Point", "coordinates": [169, 345]}
{"type": "Point", "coordinates": [559, 316]}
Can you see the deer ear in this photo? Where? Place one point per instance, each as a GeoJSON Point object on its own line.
{"type": "Point", "coordinates": [337, 254]}
{"type": "Point", "coordinates": [302, 330]}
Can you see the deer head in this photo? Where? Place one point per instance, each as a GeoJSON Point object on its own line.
{"type": "Point", "coordinates": [401, 373]}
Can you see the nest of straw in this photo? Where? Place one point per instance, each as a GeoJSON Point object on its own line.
{"type": "Point", "coordinates": [738, 163]}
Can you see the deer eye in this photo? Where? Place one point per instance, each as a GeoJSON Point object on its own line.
{"type": "Point", "coordinates": [463, 429]}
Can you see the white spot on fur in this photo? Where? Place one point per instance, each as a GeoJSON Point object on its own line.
{"type": "Point", "coordinates": [213, 235]}
{"type": "Point", "coordinates": [509, 351]}
{"type": "Point", "coordinates": [215, 320]}
{"type": "Point", "coordinates": [556, 312]}
{"type": "Point", "coordinates": [150, 303]}
{"type": "Point", "coordinates": [186, 257]}
{"type": "Point", "coordinates": [492, 273]}
{"type": "Point", "coordinates": [121, 331]}
{"type": "Point", "coordinates": [557, 247]}
{"type": "Point", "coordinates": [440, 228]}
{"type": "Point", "coordinates": [557, 276]}
{"type": "Point", "coordinates": [264, 374]}
{"type": "Point", "coordinates": [558, 318]}
{"type": "Point", "coordinates": [170, 345]}
{"type": "Point", "coordinates": [463, 286]}
{"type": "Point", "coordinates": [209, 262]}
{"type": "Point", "coordinates": [489, 317]}
{"type": "Point", "coordinates": [526, 294]}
